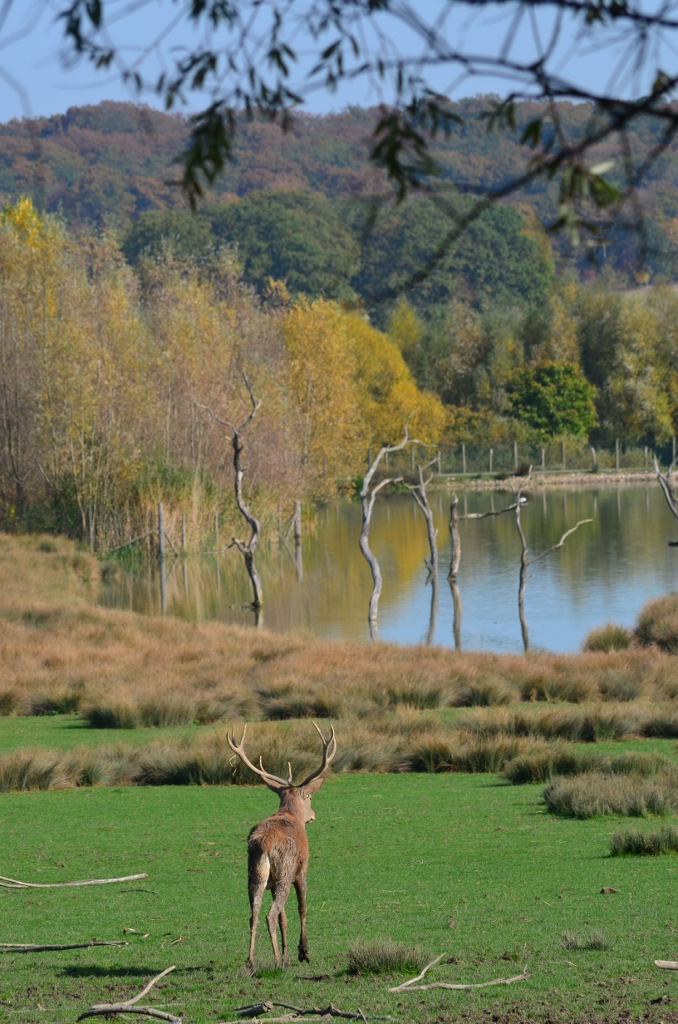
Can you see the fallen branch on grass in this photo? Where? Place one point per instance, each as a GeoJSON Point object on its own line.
{"type": "Point", "coordinates": [255, 1009]}
{"type": "Point", "coordinates": [128, 1006]}
{"type": "Point", "coordinates": [667, 965]}
{"type": "Point", "coordinates": [410, 986]}
{"type": "Point", "coordinates": [12, 883]}
{"type": "Point", "coordinates": [32, 947]}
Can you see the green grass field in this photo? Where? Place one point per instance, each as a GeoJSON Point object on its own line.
{"type": "Point", "coordinates": [455, 863]}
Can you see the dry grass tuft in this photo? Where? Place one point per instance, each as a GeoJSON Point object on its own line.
{"type": "Point", "coordinates": [658, 624]}
{"type": "Point", "coordinates": [610, 637]}
{"type": "Point", "coordinates": [592, 794]}
{"type": "Point", "coordinates": [589, 940]}
{"type": "Point", "coordinates": [556, 759]}
{"type": "Point", "coordinates": [385, 957]}
{"type": "Point", "coordinates": [659, 840]}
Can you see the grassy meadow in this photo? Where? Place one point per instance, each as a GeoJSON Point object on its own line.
{"type": "Point", "coordinates": [479, 805]}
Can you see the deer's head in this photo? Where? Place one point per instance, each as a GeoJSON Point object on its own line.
{"type": "Point", "coordinates": [293, 798]}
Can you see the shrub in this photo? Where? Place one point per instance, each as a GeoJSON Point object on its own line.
{"type": "Point", "coordinates": [484, 694]}
{"type": "Point", "coordinates": [610, 637]}
{"type": "Point", "coordinates": [654, 842]}
{"type": "Point", "coordinates": [9, 702]}
{"type": "Point", "coordinates": [385, 957]}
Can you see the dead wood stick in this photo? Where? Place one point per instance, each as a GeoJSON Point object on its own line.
{"type": "Point", "coordinates": [667, 965]}
{"type": "Point", "coordinates": [13, 883]}
{"type": "Point", "coordinates": [408, 986]}
{"type": "Point", "coordinates": [419, 976]}
{"type": "Point", "coordinates": [31, 947]}
{"type": "Point", "coordinates": [128, 1005]}
{"type": "Point", "coordinates": [255, 1009]}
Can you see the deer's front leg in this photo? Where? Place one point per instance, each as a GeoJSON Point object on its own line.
{"type": "Point", "coordinates": [300, 886]}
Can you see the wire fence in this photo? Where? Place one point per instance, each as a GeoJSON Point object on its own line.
{"type": "Point", "coordinates": [567, 455]}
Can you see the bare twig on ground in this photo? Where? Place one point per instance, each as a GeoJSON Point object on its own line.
{"type": "Point", "coordinates": [129, 1005]}
{"type": "Point", "coordinates": [13, 883]}
{"type": "Point", "coordinates": [667, 965]}
{"type": "Point", "coordinates": [410, 986]}
{"type": "Point", "coordinates": [255, 1009]}
{"type": "Point", "coordinates": [32, 947]}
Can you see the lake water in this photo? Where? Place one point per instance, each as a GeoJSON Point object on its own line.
{"type": "Point", "coordinates": [605, 572]}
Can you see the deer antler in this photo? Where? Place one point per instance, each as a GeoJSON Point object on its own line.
{"type": "Point", "coordinates": [274, 781]}
{"type": "Point", "coordinates": [329, 750]}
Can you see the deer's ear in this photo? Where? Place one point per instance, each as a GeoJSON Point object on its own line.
{"type": "Point", "coordinates": [313, 787]}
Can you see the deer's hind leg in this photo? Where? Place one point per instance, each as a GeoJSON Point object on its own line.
{"type": "Point", "coordinates": [276, 916]}
{"type": "Point", "coordinates": [258, 876]}
{"type": "Point", "coordinates": [300, 886]}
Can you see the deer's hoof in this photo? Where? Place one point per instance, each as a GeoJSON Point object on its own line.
{"type": "Point", "coordinates": [249, 966]}
{"type": "Point", "coordinates": [304, 954]}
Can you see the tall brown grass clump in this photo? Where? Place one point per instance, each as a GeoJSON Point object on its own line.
{"type": "Point", "coordinates": [592, 794]}
{"type": "Point", "coordinates": [562, 759]}
{"type": "Point", "coordinates": [658, 624]}
{"type": "Point", "coordinates": [610, 637]}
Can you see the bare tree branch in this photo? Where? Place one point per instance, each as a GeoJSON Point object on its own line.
{"type": "Point", "coordinates": [32, 947]}
{"type": "Point", "coordinates": [129, 1005]}
{"type": "Point", "coordinates": [667, 486]}
{"type": "Point", "coordinates": [411, 986]}
{"type": "Point", "coordinates": [12, 883]}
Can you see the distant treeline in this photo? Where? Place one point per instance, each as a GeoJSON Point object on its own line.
{"type": "Point", "coordinates": [108, 164]}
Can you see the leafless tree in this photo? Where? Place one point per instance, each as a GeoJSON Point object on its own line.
{"type": "Point", "coordinates": [277, 849]}
{"type": "Point", "coordinates": [419, 494]}
{"type": "Point", "coordinates": [455, 539]}
{"type": "Point", "coordinates": [368, 495]}
{"type": "Point", "coordinates": [526, 560]}
{"type": "Point", "coordinates": [246, 548]}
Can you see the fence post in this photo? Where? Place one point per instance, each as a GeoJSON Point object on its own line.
{"type": "Point", "coordinates": [183, 532]}
{"type": "Point", "coordinates": [515, 454]}
{"type": "Point", "coordinates": [616, 453]}
{"type": "Point", "coordinates": [463, 457]}
{"type": "Point", "coordinates": [562, 449]}
{"type": "Point", "coordinates": [543, 458]}
{"type": "Point", "coordinates": [594, 459]}
{"type": "Point", "coordinates": [645, 454]}
{"type": "Point", "coordinates": [439, 470]}
{"type": "Point", "coordinates": [491, 454]}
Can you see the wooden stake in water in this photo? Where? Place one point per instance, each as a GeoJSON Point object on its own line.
{"type": "Point", "coordinates": [491, 454]}
{"type": "Point", "coordinates": [543, 458]}
{"type": "Point", "coordinates": [463, 457]}
{"type": "Point", "coordinates": [616, 453]}
{"type": "Point", "coordinates": [515, 454]}
{"type": "Point", "coordinates": [562, 447]}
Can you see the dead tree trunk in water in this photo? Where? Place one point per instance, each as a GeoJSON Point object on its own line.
{"type": "Point", "coordinates": [246, 548]}
{"type": "Point", "coordinates": [526, 561]}
{"type": "Point", "coordinates": [669, 493]}
{"type": "Point", "coordinates": [420, 496]}
{"type": "Point", "coordinates": [368, 496]}
{"type": "Point", "coordinates": [455, 539]}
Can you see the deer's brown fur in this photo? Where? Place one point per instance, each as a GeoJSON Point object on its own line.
{"type": "Point", "coordinates": [277, 851]}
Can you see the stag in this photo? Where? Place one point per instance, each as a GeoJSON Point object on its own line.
{"type": "Point", "coordinates": [277, 849]}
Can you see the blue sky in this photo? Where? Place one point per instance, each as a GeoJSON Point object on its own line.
{"type": "Point", "coordinates": [37, 80]}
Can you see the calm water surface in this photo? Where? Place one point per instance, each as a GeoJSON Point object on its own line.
{"type": "Point", "coordinates": [605, 572]}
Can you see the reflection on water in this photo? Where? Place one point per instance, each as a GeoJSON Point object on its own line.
{"type": "Point", "coordinates": [605, 571]}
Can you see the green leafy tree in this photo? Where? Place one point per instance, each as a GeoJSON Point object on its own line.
{"type": "Point", "coordinates": [295, 237]}
{"type": "Point", "coordinates": [177, 231]}
{"type": "Point", "coordinates": [555, 399]}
